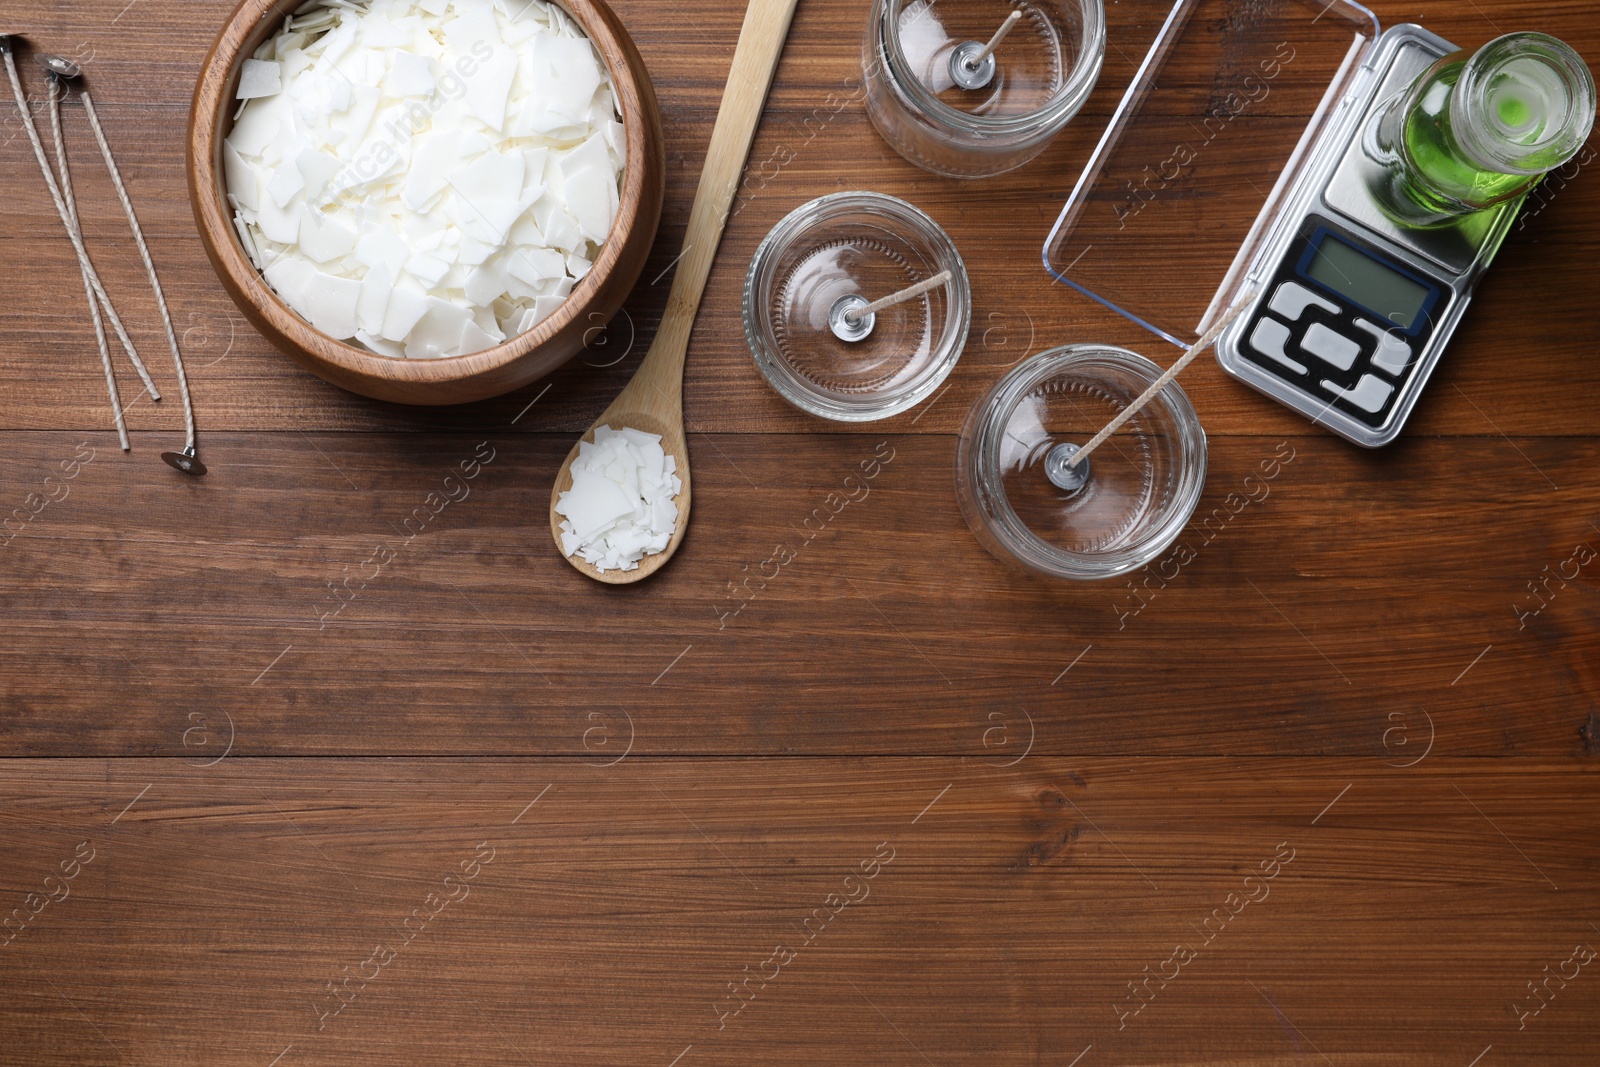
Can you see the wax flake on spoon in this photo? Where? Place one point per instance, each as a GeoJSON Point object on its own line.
{"type": "Point", "coordinates": [622, 505]}
{"type": "Point", "coordinates": [425, 177]}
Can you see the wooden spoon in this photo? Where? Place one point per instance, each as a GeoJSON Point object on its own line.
{"type": "Point", "coordinates": [653, 401]}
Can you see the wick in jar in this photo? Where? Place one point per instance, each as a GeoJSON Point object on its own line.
{"type": "Point", "coordinates": [851, 318]}
{"type": "Point", "coordinates": [972, 65]}
{"type": "Point", "coordinates": [1080, 457]}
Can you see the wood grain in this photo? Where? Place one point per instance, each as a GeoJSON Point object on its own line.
{"type": "Point", "coordinates": [1006, 913]}
{"type": "Point", "coordinates": [351, 655]}
{"type": "Point", "coordinates": [1309, 616]}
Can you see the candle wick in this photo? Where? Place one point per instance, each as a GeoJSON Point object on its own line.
{"type": "Point", "coordinates": [976, 59]}
{"type": "Point", "coordinates": [909, 293]}
{"type": "Point", "coordinates": [1211, 337]}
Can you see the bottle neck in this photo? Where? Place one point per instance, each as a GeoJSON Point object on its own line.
{"type": "Point", "coordinates": [1524, 104]}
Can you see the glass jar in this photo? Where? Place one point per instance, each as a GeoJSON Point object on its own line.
{"type": "Point", "coordinates": [830, 258]}
{"type": "Point", "coordinates": [959, 118]}
{"type": "Point", "coordinates": [1476, 131]}
{"type": "Point", "coordinates": [1121, 507]}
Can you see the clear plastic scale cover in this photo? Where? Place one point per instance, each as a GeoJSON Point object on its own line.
{"type": "Point", "coordinates": [1226, 107]}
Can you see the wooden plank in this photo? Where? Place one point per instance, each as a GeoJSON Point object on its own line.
{"type": "Point", "coordinates": [1006, 913]}
{"type": "Point", "coordinates": [1301, 622]}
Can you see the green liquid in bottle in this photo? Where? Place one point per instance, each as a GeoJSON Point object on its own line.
{"type": "Point", "coordinates": [1452, 178]}
{"type": "Point", "coordinates": [1473, 133]}
{"type": "Point", "coordinates": [1513, 111]}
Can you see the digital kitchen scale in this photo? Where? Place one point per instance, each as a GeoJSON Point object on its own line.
{"type": "Point", "coordinates": [1264, 111]}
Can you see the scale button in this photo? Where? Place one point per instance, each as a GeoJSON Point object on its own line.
{"type": "Point", "coordinates": [1370, 393]}
{"type": "Point", "coordinates": [1292, 299]}
{"type": "Point", "coordinates": [1330, 347]}
{"type": "Point", "coordinates": [1393, 354]}
{"type": "Point", "coordinates": [1269, 339]}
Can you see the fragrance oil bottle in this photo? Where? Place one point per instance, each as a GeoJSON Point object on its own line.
{"type": "Point", "coordinates": [1477, 130]}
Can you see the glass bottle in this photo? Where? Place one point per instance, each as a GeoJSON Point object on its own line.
{"type": "Point", "coordinates": [1478, 130]}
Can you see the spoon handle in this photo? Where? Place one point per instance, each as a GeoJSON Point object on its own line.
{"type": "Point", "coordinates": [766, 25]}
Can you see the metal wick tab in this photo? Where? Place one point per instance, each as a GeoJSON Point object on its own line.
{"type": "Point", "coordinates": [969, 72]}
{"type": "Point", "coordinates": [65, 69]}
{"type": "Point", "coordinates": [846, 320]}
{"type": "Point", "coordinates": [972, 65]}
{"type": "Point", "coordinates": [1059, 469]}
{"type": "Point", "coordinates": [185, 461]}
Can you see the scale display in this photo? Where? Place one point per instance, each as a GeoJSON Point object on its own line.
{"type": "Point", "coordinates": [1361, 277]}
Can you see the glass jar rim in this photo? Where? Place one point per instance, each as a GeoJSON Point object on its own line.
{"type": "Point", "coordinates": [988, 424]}
{"type": "Point", "coordinates": [1477, 75]}
{"type": "Point", "coordinates": [1057, 111]}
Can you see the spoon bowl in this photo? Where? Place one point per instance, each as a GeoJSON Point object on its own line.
{"type": "Point", "coordinates": [674, 442]}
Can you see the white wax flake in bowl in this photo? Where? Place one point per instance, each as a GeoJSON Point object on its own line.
{"type": "Point", "coordinates": [622, 505]}
{"type": "Point", "coordinates": [425, 178]}
{"type": "Point", "coordinates": [260, 79]}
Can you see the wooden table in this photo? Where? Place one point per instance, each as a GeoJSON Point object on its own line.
{"type": "Point", "coordinates": [1328, 796]}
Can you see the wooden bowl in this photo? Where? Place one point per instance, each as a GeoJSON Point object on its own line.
{"type": "Point", "coordinates": [456, 379]}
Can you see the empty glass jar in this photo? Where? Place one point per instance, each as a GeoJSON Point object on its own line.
{"type": "Point", "coordinates": [1121, 507]}
{"type": "Point", "coordinates": [950, 105]}
{"type": "Point", "coordinates": [806, 299]}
